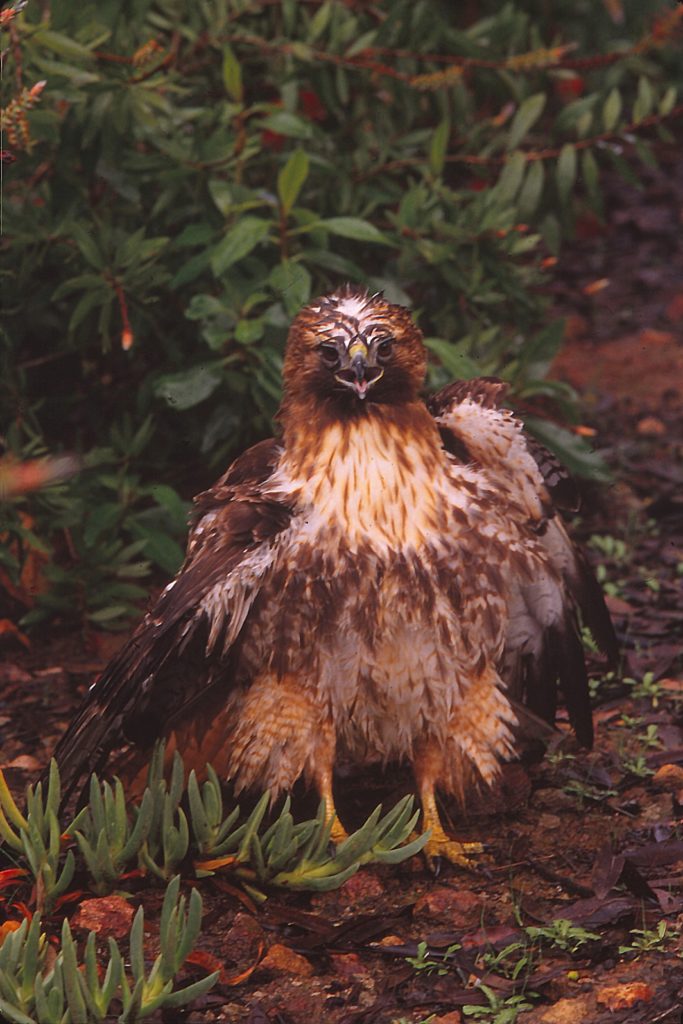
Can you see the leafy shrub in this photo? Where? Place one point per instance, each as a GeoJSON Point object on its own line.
{"type": "Point", "coordinates": [191, 174]}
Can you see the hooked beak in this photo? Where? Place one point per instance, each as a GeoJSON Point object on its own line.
{"type": "Point", "coordinates": [359, 371]}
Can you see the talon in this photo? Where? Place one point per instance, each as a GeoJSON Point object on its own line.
{"type": "Point", "coordinates": [338, 833]}
{"type": "Point", "coordinates": [459, 854]}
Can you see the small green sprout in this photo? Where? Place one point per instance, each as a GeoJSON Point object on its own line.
{"type": "Point", "coordinates": [648, 940]}
{"type": "Point", "coordinates": [645, 689]}
{"type": "Point", "coordinates": [501, 1009]}
{"type": "Point", "coordinates": [423, 959]}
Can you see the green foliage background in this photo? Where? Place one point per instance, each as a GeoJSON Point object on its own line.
{"type": "Point", "coordinates": [192, 174]}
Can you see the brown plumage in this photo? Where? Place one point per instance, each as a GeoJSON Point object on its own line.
{"type": "Point", "coordinates": [387, 581]}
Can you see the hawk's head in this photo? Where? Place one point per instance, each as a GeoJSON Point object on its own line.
{"type": "Point", "coordinates": [350, 348]}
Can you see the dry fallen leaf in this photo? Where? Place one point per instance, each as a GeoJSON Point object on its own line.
{"type": "Point", "coordinates": [596, 286]}
{"type": "Point", "coordinates": [25, 762]}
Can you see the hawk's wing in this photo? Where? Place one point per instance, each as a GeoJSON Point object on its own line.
{"type": "Point", "coordinates": [182, 646]}
{"type": "Point", "coordinates": [542, 648]}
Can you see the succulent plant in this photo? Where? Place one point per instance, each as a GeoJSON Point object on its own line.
{"type": "Point", "coordinates": [159, 836]}
{"type": "Point", "coordinates": [34, 992]}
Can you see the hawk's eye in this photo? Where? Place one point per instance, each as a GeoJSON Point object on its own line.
{"type": "Point", "coordinates": [329, 355]}
{"type": "Point", "coordinates": [384, 349]}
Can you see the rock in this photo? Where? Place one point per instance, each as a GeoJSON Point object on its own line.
{"type": "Point", "coordinates": [669, 777]}
{"type": "Point", "coordinates": [363, 887]}
{"type": "Point", "coordinates": [568, 1011]}
{"type": "Point", "coordinates": [623, 997]}
{"type": "Point", "coordinates": [457, 908]}
{"type": "Point", "coordinates": [650, 426]}
{"type": "Point", "coordinates": [244, 943]}
{"type": "Point", "coordinates": [347, 965]}
{"type": "Point", "coordinates": [112, 915]}
{"type": "Point", "coordinates": [553, 800]}
{"type": "Point", "coordinates": [283, 960]}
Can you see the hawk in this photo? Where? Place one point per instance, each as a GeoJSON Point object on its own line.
{"type": "Point", "coordinates": [385, 581]}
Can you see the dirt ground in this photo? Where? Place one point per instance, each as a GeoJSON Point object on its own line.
{"type": "Point", "coordinates": [595, 839]}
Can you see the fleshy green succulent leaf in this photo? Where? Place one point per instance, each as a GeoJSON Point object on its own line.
{"type": "Point", "coordinates": [46, 1004]}
{"type": "Point", "coordinates": [9, 806]}
{"type": "Point", "coordinates": [113, 974]}
{"type": "Point", "coordinates": [54, 789]}
{"type": "Point", "coordinates": [170, 901]}
{"type": "Point", "coordinates": [358, 842]}
{"type": "Point", "coordinates": [201, 827]}
{"type": "Point", "coordinates": [15, 1016]}
{"type": "Point", "coordinates": [252, 827]}
{"type": "Point", "coordinates": [8, 835]}
{"type": "Point", "coordinates": [72, 987]}
{"type": "Point", "coordinates": [319, 839]}
{"type": "Point", "coordinates": [140, 830]}
{"type": "Point", "coordinates": [175, 788]}
{"type": "Point", "coordinates": [65, 878]}
{"type": "Point", "coordinates": [213, 800]}
{"type": "Point", "coordinates": [183, 996]}
{"type": "Point", "coordinates": [137, 953]}
{"type": "Point", "coordinates": [228, 838]}
{"type": "Point", "coordinates": [190, 928]}
{"type": "Point", "coordinates": [306, 878]}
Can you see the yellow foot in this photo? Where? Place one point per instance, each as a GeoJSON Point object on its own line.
{"type": "Point", "coordinates": [441, 846]}
{"type": "Point", "coordinates": [338, 833]}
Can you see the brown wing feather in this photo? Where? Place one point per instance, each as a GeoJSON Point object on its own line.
{"type": "Point", "coordinates": [539, 656]}
{"type": "Point", "coordinates": [164, 668]}
{"type": "Point", "coordinates": [489, 392]}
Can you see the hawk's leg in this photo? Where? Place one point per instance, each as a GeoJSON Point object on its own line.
{"type": "Point", "coordinates": [323, 783]}
{"type": "Point", "coordinates": [427, 765]}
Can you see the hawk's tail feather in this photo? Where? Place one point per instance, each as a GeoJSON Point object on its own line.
{"type": "Point", "coordinates": [594, 612]}
{"type": "Point", "coordinates": [116, 700]}
{"type": "Point", "coordinates": [573, 677]}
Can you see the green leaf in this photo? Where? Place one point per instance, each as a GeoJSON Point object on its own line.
{"type": "Point", "coordinates": [192, 269]}
{"type": "Point", "coordinates": [159, 548]}
{"type": "Point", "coordinates": [531, 191]}
{"type": "Point", "coordinates": [439, 146]}
{"type": "Point", "coordinates": [238, 243]}
{"type": "Point", "coordinates": [354, 227]}
{"type": "Point", "coordinates": [62, 45]}
{"type": "Point", "coordinates": [190, 387]}
{"type": "Point", "coordinates": [293, 282]}
{"type": "Point", "coordinates": [291, 178]}
{"type": "Point", "coordinates": [14, 1014]}
{"type": "Point", "coordinates": [249, 331]}
{"type": "Point", "coordinates": [573, 451]}
{"type": "Point", "coordinates": [591, 176]}
{"type": "Point", "coordinates": [551, 232]}
{"type": "Point", "coordinates": [221, 193]}
{"type": "Point", "coordinates": [291, 125]}
{"type": "Point", "coordinates": [611, 110]}
{"type": "Point", "coordinates": [452, 358]}
{"type": "Point", "coordinates": [114, 611]}
{"type": "Point", "coordinates": [82, 236]}
{"type": "Point", "coordinates": [666, 104]}
{"type": "Point", "coordinates": [644, 100]}
{"type": "Point", "coordinates": [319, 21]}
{"type": "Point", "coordinates": [511, 178]}
{"type": "Point", "coordinates": [232, 75]}
{"type": "Point", "coordinates": [538, 353]}
{"type": "Point", "coordinates": [527, 115]}
{"type": "Point", "coordinates": [566, 171]}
